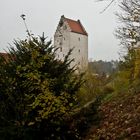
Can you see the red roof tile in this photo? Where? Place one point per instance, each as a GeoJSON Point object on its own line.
{"type": "Point", "coordinates": [76, 26]}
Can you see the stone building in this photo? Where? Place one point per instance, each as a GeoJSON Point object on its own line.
{"type": "Point", "coordinates": [71, 34]}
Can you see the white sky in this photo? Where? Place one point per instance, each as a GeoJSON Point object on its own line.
{"type": "Point", "coordinates": [44, 15]}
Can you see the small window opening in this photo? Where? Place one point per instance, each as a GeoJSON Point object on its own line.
{"type": "Point", "coordinates": [65, 27]}
{"type": "Point", "coordinates": [60, 49]}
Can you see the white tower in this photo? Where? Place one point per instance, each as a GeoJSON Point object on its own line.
{"type": "Point", "coordinates": [71, 34]}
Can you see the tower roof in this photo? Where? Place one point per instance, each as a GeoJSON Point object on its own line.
{"type": "Point", "coordinates": [76, 26]}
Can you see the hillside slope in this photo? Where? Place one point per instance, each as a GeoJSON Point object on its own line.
{"type": "Point", "coordinates": [120, 119]}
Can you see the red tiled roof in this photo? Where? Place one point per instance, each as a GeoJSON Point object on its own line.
{"type": "Point", "coordinates": [5, 55]}
{"type": "Point", "coordinates": [76, 26]}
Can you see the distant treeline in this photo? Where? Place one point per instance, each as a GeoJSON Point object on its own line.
{"type": "Point", "coordinates": [103, 67]}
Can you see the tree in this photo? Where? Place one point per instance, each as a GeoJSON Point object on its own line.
{"type": "Point", "coordinates": [37, 91]}
{"type": "Point", "coordinates": [129, 34]}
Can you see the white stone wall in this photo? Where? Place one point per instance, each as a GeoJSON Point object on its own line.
{"type": "Point", "coordinates": [80, 53]}
{"type": "Point", "coordinates": [62, 41]}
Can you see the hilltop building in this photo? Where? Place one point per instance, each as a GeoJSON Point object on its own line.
{"type": "Point", "coordinates": [71, 34]}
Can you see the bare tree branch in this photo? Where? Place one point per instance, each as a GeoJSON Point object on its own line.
{"type": "Point", "coordinates": [106, 6]}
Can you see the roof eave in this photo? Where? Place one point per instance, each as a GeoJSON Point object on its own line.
{"type": "Point", "coordinates": [80, 33]}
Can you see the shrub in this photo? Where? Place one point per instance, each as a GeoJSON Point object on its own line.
{"type": "Point", "coordinates": [37, 91]}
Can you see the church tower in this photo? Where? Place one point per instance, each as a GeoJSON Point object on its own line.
{"type": "Point", "coordinates": [71, 34]}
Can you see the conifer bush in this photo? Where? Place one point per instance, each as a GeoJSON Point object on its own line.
{"type": "Point", "coordinates": [37, 91]}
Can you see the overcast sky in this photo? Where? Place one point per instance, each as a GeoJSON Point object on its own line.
{"type": "Point", "coordinates": [44, 15]}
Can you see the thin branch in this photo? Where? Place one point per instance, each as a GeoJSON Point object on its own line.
{"type": "Point", "coordinates": [107, 6]}
{"type": "Point", "coordinates": [28, 32]}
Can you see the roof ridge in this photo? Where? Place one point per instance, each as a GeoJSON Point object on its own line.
{"type": "Point", "coordinates": [71, 19]}
{"type": "Point", "coordinates": [75, 25]}
{"type": "Point", "coordinates": [82, 27]}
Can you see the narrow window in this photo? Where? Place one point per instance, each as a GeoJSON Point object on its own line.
{"type": "Point", "coordinates": [79, 50]}
{"type": "Point", "coordinates": [64, 38]}
{"type": "Point", "coordinates": [63, 55]}
{"type": "Point", "coordinates": [65, 27]}
{"type": "Point", "coordinates": [79, 38]}
{"type": "Point", "coordinates": [60, 49]}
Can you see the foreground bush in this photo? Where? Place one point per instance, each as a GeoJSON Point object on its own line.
{"type": "Point", "coordinates": [37, 92]}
